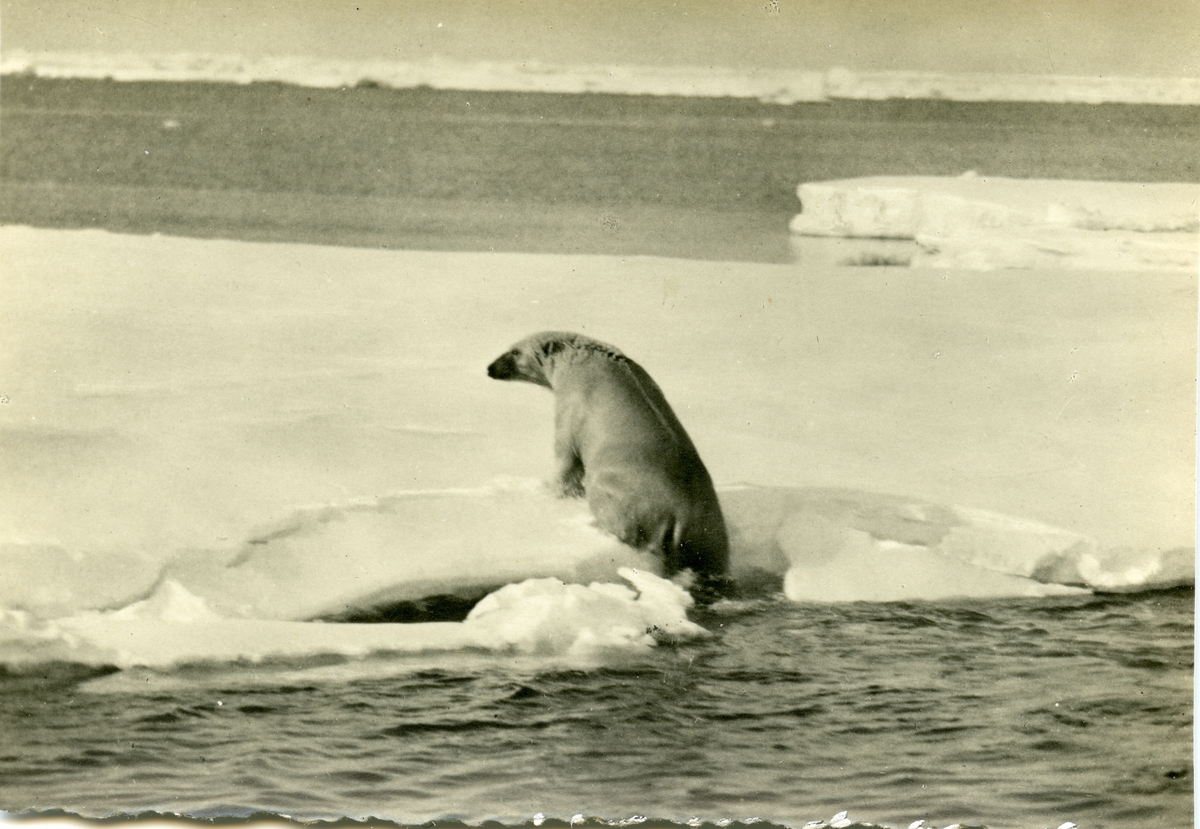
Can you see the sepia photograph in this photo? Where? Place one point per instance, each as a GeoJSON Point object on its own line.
{"type": "Point", "coordinates": [531, 413]}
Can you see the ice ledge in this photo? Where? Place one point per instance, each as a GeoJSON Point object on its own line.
{"type": "Point", "coordinates": [984, 223]}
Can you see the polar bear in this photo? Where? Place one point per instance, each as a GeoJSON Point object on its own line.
{"type": "Point", "coordinates": [618, 443]}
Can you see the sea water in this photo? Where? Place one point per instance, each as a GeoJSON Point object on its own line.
{"type": "Point", "coordinates": [1005, 713]}
{"type": "Point", "coordinates": [960, 510]}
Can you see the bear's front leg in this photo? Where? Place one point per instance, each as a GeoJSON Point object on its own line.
{"type": "Point", "coordinates": [570, 476]}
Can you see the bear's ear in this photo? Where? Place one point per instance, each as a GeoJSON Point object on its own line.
{"type": "Point", "coordinates": [552, 347]}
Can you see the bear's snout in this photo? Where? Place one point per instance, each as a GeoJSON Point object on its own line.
{"type": "Point", "coordinates": [503, 368]}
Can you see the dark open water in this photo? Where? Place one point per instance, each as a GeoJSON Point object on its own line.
{"type": "Point", "coordinates": [453, 170]}
{"type": "Point", "coordinates": [1003, 713]}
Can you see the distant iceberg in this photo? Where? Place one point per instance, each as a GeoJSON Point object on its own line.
{"type": "Point", "coordinates": [985, 223]}
{"type": "Point", "coordinates": [842, 83]}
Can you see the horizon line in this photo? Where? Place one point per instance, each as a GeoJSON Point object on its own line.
{"type": "Point", "coordinates": [779, 86]}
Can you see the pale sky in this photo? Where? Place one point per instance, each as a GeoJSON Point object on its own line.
{"type": "Point", "coordinates": [1064, 37]}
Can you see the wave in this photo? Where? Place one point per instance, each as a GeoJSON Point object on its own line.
{"type": "Point", "coordinates": [544, 581]}
{"type": "Point", "coordinates": [769, 85]}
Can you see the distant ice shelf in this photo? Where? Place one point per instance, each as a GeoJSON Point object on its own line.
{"type": "Point", "coordinates": [776, 85]}
{"type": "Point", "coordinates": [985, 223]}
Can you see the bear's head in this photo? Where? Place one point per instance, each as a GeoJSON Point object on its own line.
{"type": "Point", "coordinates": [533, 359]}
